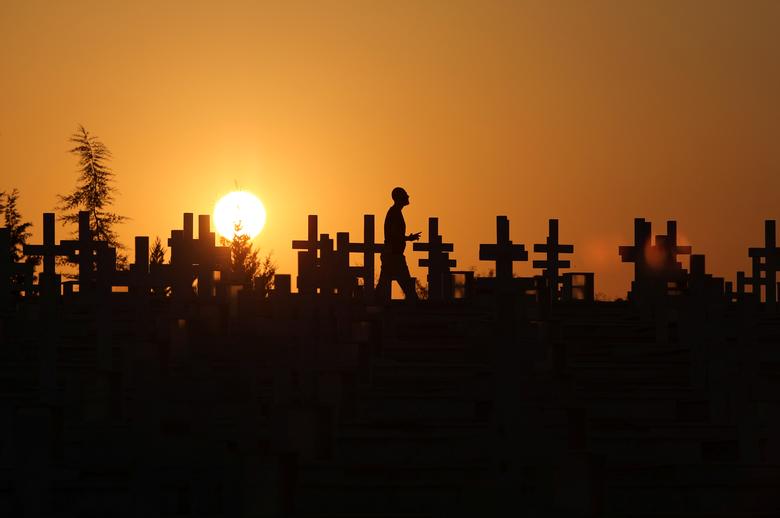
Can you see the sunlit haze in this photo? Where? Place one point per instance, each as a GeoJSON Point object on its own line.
{"type": "Point", "coordinates": [239, 212]}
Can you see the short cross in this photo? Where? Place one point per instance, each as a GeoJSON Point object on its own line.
{"type": "Point", "coordinates": [552, 264]}
{"type": "Point", "coordinates": [438, 261]}
{"type": "Point", "coordinates": [503, 252]}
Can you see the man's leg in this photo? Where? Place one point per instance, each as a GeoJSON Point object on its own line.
{"type": "Point", "coordinates": [406, 281]}
{"type": "Point", "coordinates": [382, 290]}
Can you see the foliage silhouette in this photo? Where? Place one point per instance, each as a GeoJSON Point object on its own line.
{"type": "Point", "coordinates": [157, 254]}
{"type": "Point", "coordinates": [246, 265]}
{"type": "Point", "coordinates": [157, 258]}
{"type": "Point", "coordinates": [19, 231]}
{"type": "Point", "coordinates": [94, 191]}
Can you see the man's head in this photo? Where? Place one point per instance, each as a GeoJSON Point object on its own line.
{"type": "Point", "coordinates": [400, 197]}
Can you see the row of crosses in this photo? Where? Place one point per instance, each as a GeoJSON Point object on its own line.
{"type": "Point", "coordinates": [323, 268]}
{"type": "Point", "coordinates": [199, 266]}
{"type": "Point", "coordinates": [658, 273]}
{"type": "Point", "coordinates": [195, 263]}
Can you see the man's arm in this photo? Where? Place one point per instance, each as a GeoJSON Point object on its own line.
{"type": "Point", "coordinates": [414, 237]}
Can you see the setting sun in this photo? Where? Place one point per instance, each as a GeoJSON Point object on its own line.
{"type": "Point", "coordinates": [239, 208]}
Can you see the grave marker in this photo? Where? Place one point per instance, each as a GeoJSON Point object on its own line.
{"type": "Point", "coordinates": [369, 248]}
{"type": "Point", "coordinates": [307, 258]}
{"type": "Point", "coordinates": [552, 264]}
{"type": "Point", "coordinates": [503, 252]}
{"type": "Point", "coordinates": [48, 280]}
{"type": "Point", "coordinates": [766, 262]}
{"type": "Point", "coordinates": [438, 262]}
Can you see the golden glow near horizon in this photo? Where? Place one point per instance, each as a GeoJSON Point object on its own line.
{"type": "Point", "coordinates": [239, 208]}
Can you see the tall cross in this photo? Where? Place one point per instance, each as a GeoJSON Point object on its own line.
{"type": "Point", "coordinates": [181, 245]}
{"type": "Point", "coordinates": [552, 264]}
{"type": "Point", "coordinates": [139, 270]}
{"type": "Point", "coordinates": [83, 251]}
{"type": "Point", "coordinates": [667, 245]}
{"type": "Point", "coordinates": [369, 248]}
{"type": "Point", "coordinates": [208, 257]}
{"type": "Point", "coordinates": [438, 261]}
{"type": "Point", "coordinates": [766, 263]}
{"type": "Point", "coordinates": [48, 279]}
{"type": "Point", "coordinates": [637, 253]}
{"type": "Point", "coordinates": [307, 258]}
{"type": "Point", "coordinates": [345, 275]}
{"type": "Point", "coordinates": [326, 268]}
{"type": "Point", "coordinates": [503, 252]}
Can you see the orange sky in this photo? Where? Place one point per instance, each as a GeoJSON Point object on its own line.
{"type": "Point", "coordinates": [592, 112]}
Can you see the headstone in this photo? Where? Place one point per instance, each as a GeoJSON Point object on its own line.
{"type": "Point", "coordinates": [438, 262]}
{"type": "Point", "coordinates": [578, 286]}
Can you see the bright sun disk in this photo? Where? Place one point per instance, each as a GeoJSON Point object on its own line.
{"type": "Point", "coordinates": [239, 207]}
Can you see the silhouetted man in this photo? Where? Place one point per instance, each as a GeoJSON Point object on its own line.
{"type": "Point", "coordinates": [394, 266]}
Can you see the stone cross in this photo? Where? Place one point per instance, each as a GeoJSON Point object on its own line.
{"type": "Point", "coordinates": [503, 252]}
{"type": "Point", "coordinates": [552, 263]}
{"type": "Point", "coordinates": [438, 262]}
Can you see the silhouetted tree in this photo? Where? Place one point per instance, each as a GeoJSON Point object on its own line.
{"type": "Point", "coordinates": [422, 289]}
{"type": "Point", "coordinates": [157, 255]}
{"type": "Point", "coordinates": [94, 191]}
{"type": "Point", "coordinates": [264, 279]}
{"type": "Point", "coordinates": [19, 231]}
{"type": "Point", "coordinates": [245, 263]}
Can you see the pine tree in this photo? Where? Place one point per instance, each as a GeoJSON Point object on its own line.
{"type": "Point", "coordinates": [19, 231]}
{"type": "Point", "coordinates": [94, 191]}
{"type": "Point", "coordinates": [245, 263]}
{"type": "Point", "coordinates": [157, 255]}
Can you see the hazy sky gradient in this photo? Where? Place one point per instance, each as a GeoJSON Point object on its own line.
{"type": "Point", "coordinates": [592, 112]}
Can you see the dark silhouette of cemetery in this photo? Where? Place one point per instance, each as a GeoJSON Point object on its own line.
{"type": "Point", "coordinates": [167, 390]}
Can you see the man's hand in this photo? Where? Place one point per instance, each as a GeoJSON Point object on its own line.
{"type": "Point", "coordinates": [414, 237]}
